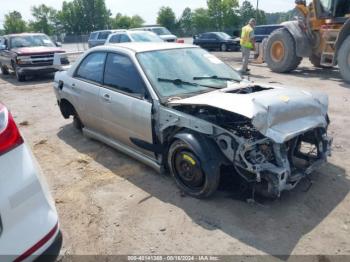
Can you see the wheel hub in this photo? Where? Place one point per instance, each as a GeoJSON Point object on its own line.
{"type": "Point", "coordinates": [277, 51]}
{"type": "Point", "coordinates": [188, 170]}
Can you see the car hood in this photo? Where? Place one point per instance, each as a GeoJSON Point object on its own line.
{"type": "Point", "coordinates": [167, 37]}
{"type": "Point", "coordinates": [278, 113]}
{"type": "Point", "coordinates": [37, 50]}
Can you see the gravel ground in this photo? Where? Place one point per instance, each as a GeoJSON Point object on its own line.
{"type": "Point", "coordinates": [109, 203]}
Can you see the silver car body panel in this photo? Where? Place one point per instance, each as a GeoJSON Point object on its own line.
{"type": "Point", "coordinates": [278, 113]}
{"type": "Point", "coordinates": [123, 148]}
{"type": "Point", "coordinates": [280, 120]}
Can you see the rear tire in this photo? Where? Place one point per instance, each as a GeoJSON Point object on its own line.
{"type": "Point", "coordinates": [316, 61]}
{"type": "Point", "coordinates": [281, 55]}
{"type": "Point", "coordinates": [344, 59]}
{"type": "Point", "coordinates": [189, 172]}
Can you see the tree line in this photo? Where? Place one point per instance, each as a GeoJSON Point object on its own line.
{"type": "Point", "coordinates": [80, 17]}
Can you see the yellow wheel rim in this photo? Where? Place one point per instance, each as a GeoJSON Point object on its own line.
{"type": "Point", "coordinates": [277, 51]}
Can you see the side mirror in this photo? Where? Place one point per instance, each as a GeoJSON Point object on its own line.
{"type": "Point", "coordinates": [2, 47]}
{"type": "Point", "coordinates": [58, 44]}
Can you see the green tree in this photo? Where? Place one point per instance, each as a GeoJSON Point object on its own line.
{"type": "Point", "coordinates": [45, 20]}
{"type": "Point", "coordinates": [201, 21]}
{"type": "Point", "coordinates": [136, 21]}
{"type": "Point", "coordinates": [14, 23]}
{"type": "Point", "coordinates": [223, 13]}
{"type": "Point", "coordinates": [166, 17]}
{"type": "Point", "coordinates": [261, 18]}
{"type": "Point", "coordinates": [247, 12]}
{"type": "Point", "coordinates": [125, 22]}
{"type": "Point", "coordinates": [186, 22]}
{"type": "Point", "coordinates": [84, 16]}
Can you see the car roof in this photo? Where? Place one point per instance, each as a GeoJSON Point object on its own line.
{"type": "Point", "coordinates": [109, 30]}
{"type": "Point", "coordinates": [24, 34]}
{"type": "Point", "coordinates": [139, 47]}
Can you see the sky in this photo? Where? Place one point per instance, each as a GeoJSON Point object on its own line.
{"type": "Point", "coordinates": [147, 9]}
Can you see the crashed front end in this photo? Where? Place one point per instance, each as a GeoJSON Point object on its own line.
{"type": "Point", "coordinates": [273, 137]}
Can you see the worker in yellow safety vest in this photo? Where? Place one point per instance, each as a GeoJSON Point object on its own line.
{"type": "Point", "coordinates": [247, 44]}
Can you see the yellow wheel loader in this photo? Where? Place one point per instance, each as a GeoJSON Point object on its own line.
{"type": "Point", "coordinates": [321, 33]}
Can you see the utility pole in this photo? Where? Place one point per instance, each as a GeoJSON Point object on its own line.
{"type": "Point", "coordinates": [257, 11]}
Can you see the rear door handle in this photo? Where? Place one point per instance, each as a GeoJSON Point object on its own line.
{"type": "Point", "coordinates": [107, 97]}
{"type": "Point", "coordinates": [73, 85]}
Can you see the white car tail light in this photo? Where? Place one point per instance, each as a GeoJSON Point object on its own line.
{"type": "Point", "coordinates": [10, 137]}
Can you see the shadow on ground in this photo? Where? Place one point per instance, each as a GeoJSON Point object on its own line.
{"type": "Point", "coordinates": [30, 80]}
{"type": "Point", "coordinates": [274, 227]}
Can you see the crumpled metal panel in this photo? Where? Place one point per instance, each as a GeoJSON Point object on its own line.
{"type": "Point", "coordinates": [279, 113]}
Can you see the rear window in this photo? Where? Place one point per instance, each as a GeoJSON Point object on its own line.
{"type": "Point", "coordinates": [104, 35]}
{"type": "Point", "coordinates": [115, 39]}
{"type": "Point", "coordinates": [259, 30]}
{"type": "Point", "coordinates": [93, 35]}
{"type": "Point", "coordinates": [271, 29]}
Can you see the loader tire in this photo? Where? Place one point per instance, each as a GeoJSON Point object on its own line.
{"type": "Point", "coordinates": [281, 55]}
{"type": "Point", "coordinates": [316, 61]}
{"type": "Point", "coordinates": [344, 60]}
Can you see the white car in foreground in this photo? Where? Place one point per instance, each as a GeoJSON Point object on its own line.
{"type": "Point", "coordinates": [28, 218]}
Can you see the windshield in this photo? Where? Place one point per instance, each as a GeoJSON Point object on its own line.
{"type": "Point", "coordinates": [30, 41]}
{"type": "Point", "coordinates": [190, 65]}
{"type": "Point", "coordinates": [326, 4]}
{"type": "Point", "coordinates": [224, 35]}
{"type": "Point", "coordinates": [161, 31]}
{"type": "Point", "coordinates": [145, 37]}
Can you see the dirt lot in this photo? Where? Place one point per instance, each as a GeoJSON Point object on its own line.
{"type": "Point", "coordinates": [109, 203]}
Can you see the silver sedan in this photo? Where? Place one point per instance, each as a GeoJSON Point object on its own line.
{"type": "Point", "coordinates": [180, 109]}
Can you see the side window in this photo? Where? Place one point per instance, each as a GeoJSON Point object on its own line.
{"type": "Point", "coordinates": [93, 35]}
{"type": "Point", "coordinates": [121, 74]}
{"type": "Point", "coordinates": [211, 36]}
{"type": "Point", "coordinates": [92, 67]}
{"type": "Point", "coordinates": [103, 35]}
{"type": "Point", "coordinates": [115, 39]}
{"type": "Point", "coordinates": [124, 38]}
{"type": "Point", "coordinates": [204, 36]}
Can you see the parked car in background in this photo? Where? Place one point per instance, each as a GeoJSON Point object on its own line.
{"type": "Point", "coordinates": [217, 41]}
{"type": "Point", "coordinates": [28, 219]}
{"type": "Point", "coordinates": [97, 38]}
{"type": "Point", "coordinates": [264, 31]}
{"type": "Point", "coordinates": [179, 108]}
{"type": "Point", "coordinates": [132, 36]}
{"type": "Point", "coordinates": [162, 32]}
{"type": "Point", "coordinates": [28, 54]}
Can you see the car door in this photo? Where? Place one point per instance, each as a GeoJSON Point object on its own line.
{"type": "Point", "coordinates": [203, 41]}
{"type": "Point", "coordinates": [85, 86]}
{"type": "Point", "coordinates": [126, 110]}
{"type": "Point", "coordinates": [212, 41]}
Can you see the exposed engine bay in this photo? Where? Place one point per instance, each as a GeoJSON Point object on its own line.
{"type": "Point", "coordinates": [260, 158]}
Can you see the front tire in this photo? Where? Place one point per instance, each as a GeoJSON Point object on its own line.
{"type": "Point", "coordinates": [344, 59]}
{"type": "Point", "coordinates": [20, 77]}
{"type": "Point", "coordinates": [281, 55]}
{"type": "Point", "coordinates": [4, 70]}
{"type": "Point", "coordinates": [189, 172]}
{"type": "Point", "coordinates": [223, 48]}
